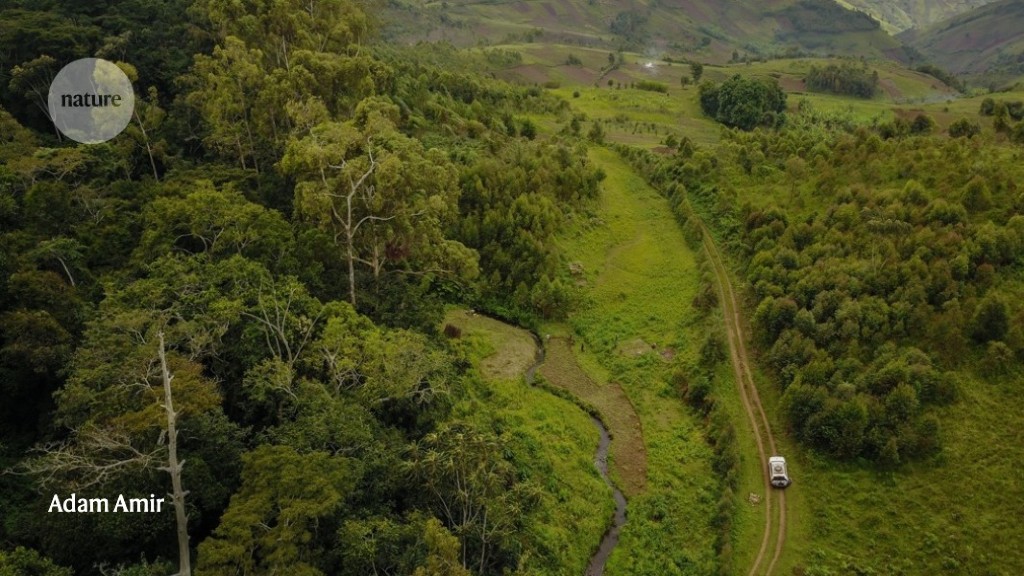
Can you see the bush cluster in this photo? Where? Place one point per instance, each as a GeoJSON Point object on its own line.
{"type": "Point", "coordinates": [866, 300]}
{"type": "Point", "coordinates": [844, 78]}
{"type": "Point", "coordinates": [744, 103]}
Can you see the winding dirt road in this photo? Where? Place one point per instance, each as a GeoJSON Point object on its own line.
{"type": "Point", "coordinates": [752, 405]}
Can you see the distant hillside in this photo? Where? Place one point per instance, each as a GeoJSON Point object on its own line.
{"type": "Point", "coordinates": [899, 15]}
{"type": "Point", "coordinates": [709, 30]}
{"type": "Point", "coordinates": [987, 40]}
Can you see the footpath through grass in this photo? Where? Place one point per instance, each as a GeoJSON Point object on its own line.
{"type": "Point", "coordinates": [635, 325]}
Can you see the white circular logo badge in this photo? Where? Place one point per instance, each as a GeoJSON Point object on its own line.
{"type": "Point", "coordinates": [91, 100]}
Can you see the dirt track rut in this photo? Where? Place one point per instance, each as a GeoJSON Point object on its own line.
{"type": "Point", "coordinates": [752, 405]}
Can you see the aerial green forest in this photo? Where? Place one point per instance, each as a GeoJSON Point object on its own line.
{"type": "Point", "coordinates": [377, 288]}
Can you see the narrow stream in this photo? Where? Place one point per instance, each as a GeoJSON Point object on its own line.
{"type": "Point", "coordinates": [611, 537]}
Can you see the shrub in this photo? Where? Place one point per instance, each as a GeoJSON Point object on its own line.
{"type": "Point", "coordinates": [1018, 133]}
{"type": "Point", "coordinates": [999, 359]}
{"type": "Point", "coordinates": [991, 321]}
{"type": "Point", "coordinates": [964, 128]}
{"type": "Point", "coordinates": [988, 107]}
{"type": "Point", "coordinates": [1015, 110]}
{"type": "Point", "coordinates": [528, 129]}
{"type": "Point", "coordinates": [922, 125]}
{"type": "Point", "coordinates": [651, 86]}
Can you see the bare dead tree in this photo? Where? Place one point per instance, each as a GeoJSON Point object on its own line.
{"type": "Point", "coordinates": [95, 455]}
{"type": "Point", "coordinates": [358, 189]}
{"type": "Point", "coordinates": [92, 456]}
{"type": "Point", "coordinates": [174, 466]}
{"type": "Point", "coordinates": [145, 140]}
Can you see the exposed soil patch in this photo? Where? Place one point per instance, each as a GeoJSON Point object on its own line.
{"type": "Point", "coordinates": [530, 73]}
{"type": "Point", "coordinates": [791, 84]}
{"type": "Point", "coordinates": [907, 114]}
{"type": "Point", "coordinates": [579, 74]}
{"type": "Point", "coordinates": [890, 88]}
{"type": "Point", "coordinates": [634, 347]}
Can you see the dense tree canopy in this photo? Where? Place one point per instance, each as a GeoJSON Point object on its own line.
{"type": "Point", "coordinates": [280, 227]}
{"type": "Point", "coordinates": [744, 103]}
{"type": "Point", "coordinates": [844, 78]}
{"type": "Point", "coordinates": [881, 272]}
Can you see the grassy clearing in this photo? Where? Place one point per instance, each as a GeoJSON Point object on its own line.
{"type": "Point", "coordinates": [553, 442]}
{"type": "Point", "coordinates": [957, 516]}
{"type": "Point", "coordinates": [512, 350]}
{"type": "Point", "coordinates": [640, 278]}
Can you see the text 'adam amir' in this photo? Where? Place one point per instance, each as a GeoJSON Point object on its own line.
{"type": "Point", "coordinates": [74, 504]}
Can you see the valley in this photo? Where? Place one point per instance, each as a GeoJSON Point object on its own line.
{"type": "Point", "coordinates": [516, 288]}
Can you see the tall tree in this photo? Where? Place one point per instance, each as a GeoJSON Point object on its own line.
{"type": "Point", "coordinates": [174, 465]}
{"type": "Point", "coordinates": [475, 490]}
{"type": "Point", "coordinates": [32, 80]}
{"type": "Point", "coordinates": [270, 525]}
{"type": "Point", "coordinates": [100, 450]}
{"type": "Point", "coordinates": [137, 379]}
{"type": "Point", "coordinates": [381, 196]}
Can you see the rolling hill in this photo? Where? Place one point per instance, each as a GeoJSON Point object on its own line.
{"type": "Point", "coordinates": [705, 29]}
{"type": "Point", "coordinates": [899, 15]}
{"type": "Point", "coordinates": [987, 40]}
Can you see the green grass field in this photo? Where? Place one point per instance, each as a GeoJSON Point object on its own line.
{"type": "Point", "coordinates": [552, 440]}
{"type": "Point", "coordinates": [627, 455]}
{"type": "Point", "coordinates": [640, 278]}
{"type": "Point", "coordinates": [641, 118]}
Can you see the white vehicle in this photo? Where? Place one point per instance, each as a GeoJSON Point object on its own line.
{"type": "Point", "coordinates": [778, 473]}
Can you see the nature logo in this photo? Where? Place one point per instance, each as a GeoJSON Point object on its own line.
{"type": "Point", "coordinates": [91, 100]}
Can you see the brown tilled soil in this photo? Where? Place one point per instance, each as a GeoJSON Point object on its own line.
{"type": "Point", "coordinates": [628, 454]}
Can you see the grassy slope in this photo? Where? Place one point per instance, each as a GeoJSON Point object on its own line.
{"type": "Point", "coordinates": [642, 118]}
{"type": "Point", "coordinates": [640, 280]}
{"type": "Point", "coordinates": [973, 42]}
{"type": "Point", "coordinates": [669, 26]}
{"type": "Point", "coordinates": [918, 520]}
{"type": "Point", "coordinates": [839, 515]}
{"type": "Point", "coordinates": [552, 440]}
{"type": "Point", "coordinates": [899, 15]}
